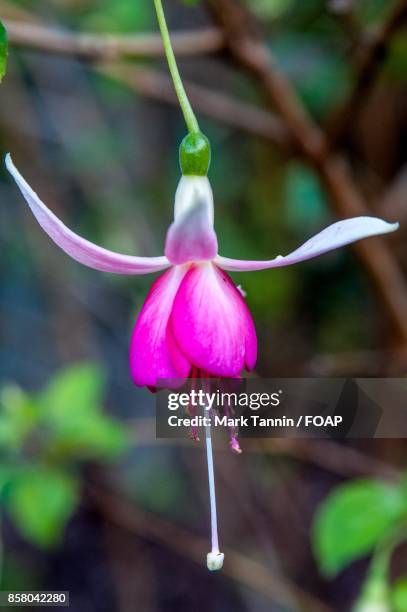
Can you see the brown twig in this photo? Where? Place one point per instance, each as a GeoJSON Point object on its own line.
{"type": "Point", "coordinates": [250, 52]}
{"type": "Point", "coordinates": [107, 46]}
{"type": "Point", "coordinates": [249, 572]}
{"type": "Point", "coordinates": [9, 10]}
{"type": "Point", "coordinates": [376, 255]}
{"type": "Point", "coordinates": [373, 51]}
{"type": "Point", "coordinates": [369, 363]}
{"type": "Point", "coordinates": [150, 82]}
{"type": "Point", "coordinates": [345, 15]}
{"type": "Point", "coordinates": [218, 106]}
{"type": "Point", "coordinates": [394, 200]}
{"type": "Point", "coordinates": [337, 458]}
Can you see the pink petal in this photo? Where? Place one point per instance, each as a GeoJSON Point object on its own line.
{"type": "Point", "coordinates": [154, 354]}
{"type": "Point", "coordinates": [177, 358]}
{"type": "Point", "coordinates": [336, 235]}
{"type": "Point", "coordinates": [191, 237]}
{"type": "Point", "coordinates": [78, 248]}
{"type": "Point", "coordinates": [212, 324]}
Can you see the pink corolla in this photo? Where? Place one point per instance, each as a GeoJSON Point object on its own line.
{"type": "Point", "coordinates": [194, 318]}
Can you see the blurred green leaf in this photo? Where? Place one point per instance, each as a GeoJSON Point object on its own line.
{"type": "Point", "coordinates": [375, 597]}
{"type": "Point", "coordinates": [3, 51]}
{"type": "Point", "coordinates": [55, 429]}
{"type": "Point", "coordinates": [107, 439]}
{"type": "Point", "coordinates": [97, 437]}
{"type": "Point", "coordinates": [17, 417]}
{"type": "Point", "coordinates": [269, 9]}
{"type": "Point", "coordinates": [73, 393]}
{"type": "Point", "coordinates": [352, 520]}
{"type": "Point", "coordinates": [123, 16]}
{"type": "Point", "coordinates": [399, 595]}
{"type": "Point", "coordinates": [7, 473]}
{"type": "Point", "coordinates": [41, 500]}
{"type": "Point", "coordinates": [403, 480]}
{"type": "Point", "coordinates": [71, 407]}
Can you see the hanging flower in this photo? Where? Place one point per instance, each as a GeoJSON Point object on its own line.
{"type": "Point", "coordinates": [194, 317]}
{"type": "Point", "coordinates": [194, 322]}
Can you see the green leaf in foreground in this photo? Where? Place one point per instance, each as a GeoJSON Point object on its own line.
{"type": "Point", "coordinates": [41, 501]}
{"type": "Point", "coordinates": [98, 437]}
{"type": "Point", "coordinates": [17, 417]}
{"type": "Point", "coordinates": [3, 51]}
{"type": "Point", "coordinates": [399, 595]}
{"type": "Point", "coordinates": [74, 393]}
{"type": "Point", "coordinates": [71, 407]}
{"type": "Point", "coordinates": [352, 520]}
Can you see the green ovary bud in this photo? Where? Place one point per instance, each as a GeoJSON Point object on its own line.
{"type": "Point", "coordinates": [195, 155]}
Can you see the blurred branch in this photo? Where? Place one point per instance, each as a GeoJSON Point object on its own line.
{"type": "Point", "coordinates": [335, 457]}
{"type": "Point", "coordinates": [239, 567]}
{"type": "Point", "coordinates": [150, 82]}
{"type": "Point", "coordinates": [250, 52]}
{"type": "Point", "coordinates": [8, 10]}
{"type": "Point", "coordinates": [109, 46]}
{"type": "Point", "coordinates": [394, 200]}
{"type": "Point", "coordinates": [369, 363]}
{"type": "Point", "coordinates": [345, 14]}
{"type": "Point", "coordinates": [218, 106]}
{"type": "Point", "coordinates": [372, 53]}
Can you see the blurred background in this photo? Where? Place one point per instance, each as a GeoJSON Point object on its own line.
{"type": "Point", "coordinates": [90, 501]}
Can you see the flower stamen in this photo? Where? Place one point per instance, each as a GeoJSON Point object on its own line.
{"type": "Point", "coordinates": [214, 559]}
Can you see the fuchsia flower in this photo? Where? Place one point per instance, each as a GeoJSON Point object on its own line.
{"type": "Point", "coordinates": [194, 318]}
{"type": "Point", "coordinates": [194, 322]}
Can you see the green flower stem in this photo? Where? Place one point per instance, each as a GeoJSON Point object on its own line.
{"type": "Point", "coordinates": [189, 116]}
{"type": "Point", "coordinates": [382, 555]}
{"type": "Point", "coordinates": [376, 588]}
